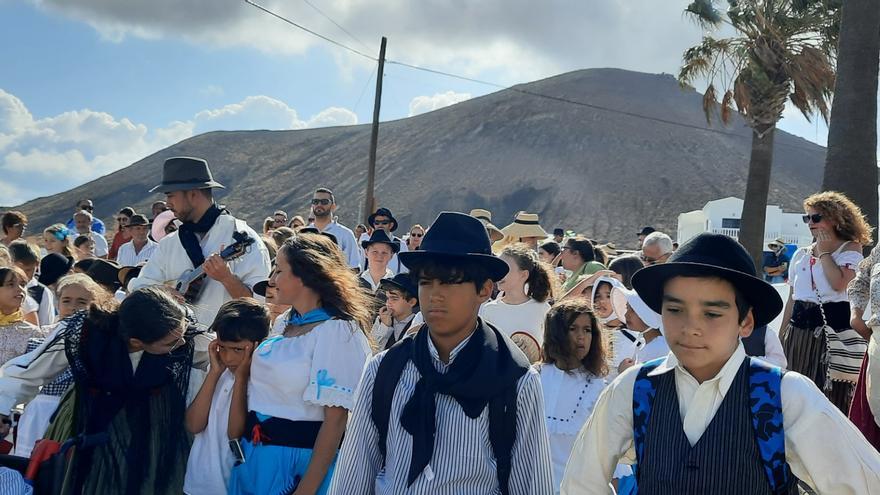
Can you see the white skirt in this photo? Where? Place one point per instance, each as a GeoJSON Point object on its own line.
{"type": "Point", "coordinates": [34, 422]}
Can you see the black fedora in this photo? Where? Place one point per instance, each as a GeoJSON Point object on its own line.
{"type": "Point", "coordinates": [381, 236]}
{"type": "Point", "coordinates": [182, 173]}
{"type": "Point", "coordinates": [314, 230]}
{"type": "Point", "coordinates": [383, 212]}
{"type": "Point", "coordinates": [105, 273]}
{"type": "Point", "coordinates": [711, 255]}
{"type": "Point", "coordinates": [456, 235]}
{"type": "Point", "coordinates": [647, 231]}
{"type": "Point", "coordinates": [401, 281]}
{"type": "Point", "coordinates": [260, 287]}
{"type": "Point", "coordinates": [53, 266]}
{"type": "Point", "coordinates": [138, 221]}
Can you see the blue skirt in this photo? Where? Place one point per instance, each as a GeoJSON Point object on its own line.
{"type": "Point", "coordinates": [272, 469]}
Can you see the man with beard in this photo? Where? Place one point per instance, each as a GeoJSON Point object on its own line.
{"type": "Point", "coordinates": [323, 208]}
{"type": "Point", "coordinates": [188, 184]}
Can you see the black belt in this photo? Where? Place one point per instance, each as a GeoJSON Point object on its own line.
{"type": "Point", "coordinates": [282, 432]}
{"type": "Point", "coordinates": [807, 315]}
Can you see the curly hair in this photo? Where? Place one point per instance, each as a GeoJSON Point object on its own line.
{"type": "Point", "coordinates": [848, 220]}
{"type": "Point", "coordinates": [557, 325]}
{"type": "Point", "coordinates": [321, 266]}
{"type": "Point", "coordinates": [541, 277]}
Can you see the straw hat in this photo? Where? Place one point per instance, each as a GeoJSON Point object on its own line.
{"type": "Point", "coordinates": [779, 241]}
{"type": "Point", "coordinates": [485, 216]}
{"type": "Point", "coordinates": [524, 225]}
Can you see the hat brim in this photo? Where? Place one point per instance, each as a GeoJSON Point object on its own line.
{"type": "Point", "coordinates": [260, 288]}
{"type": "Point", "coordinates": [387, 282]}
{"type": "Point", "coordinates": [125, 271]}
{"type": "Point", "coordinates": [496, 266]}
{"type": "Point", "coordinates": [372, 217]}
{"type": "Point", "coordinates": [764, 299]}
{"type": "Point", "coordinates": [186, 186]}
{"type": "Point", "coordinates": [395, 247]}
{"type": "Point", "coordinates": [520, 231]}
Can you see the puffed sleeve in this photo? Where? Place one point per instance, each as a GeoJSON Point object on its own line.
{"type": "Point", "coordinates": [858, 288]}
{"type": "Point", "coordinates": [341, 351]}
{"type": "Point", "coordinates": [849, 259]}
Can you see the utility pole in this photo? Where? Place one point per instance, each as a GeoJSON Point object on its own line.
{"type": "Point", "coordinates": [369, 204]}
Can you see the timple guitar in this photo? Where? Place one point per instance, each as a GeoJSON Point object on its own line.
{"type": "Point", "coordinates": [192, 282]}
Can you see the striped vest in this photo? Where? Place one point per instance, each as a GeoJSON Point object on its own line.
{"type": "Point", "coordinates": [728, 457]}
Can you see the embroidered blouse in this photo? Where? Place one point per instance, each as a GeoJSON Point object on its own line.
{"type": "Point", "coordinates": [801, 280]}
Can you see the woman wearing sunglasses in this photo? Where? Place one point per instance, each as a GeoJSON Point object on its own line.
{"type": "Point", "coordinates": [415, 237]}
{"type": "Point", "coordinates": [818, 340]}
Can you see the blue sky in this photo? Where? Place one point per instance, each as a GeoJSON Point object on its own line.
{"type": "Point", "coordinates": [91, 86]}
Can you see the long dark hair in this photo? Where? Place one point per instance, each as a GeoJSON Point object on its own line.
{"type": "Point", "coordinates": [540, 279]}
{"type": "Point", "coordinates": [321, 265]}
{"type": "Point", "coordinates": [557, 325]}
{"type": "Point", "coordinates": [147, 314]}
{"type": "Point", "coordinates": [626, 267]}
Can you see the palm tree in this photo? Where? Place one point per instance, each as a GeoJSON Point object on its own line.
{"type": "Point", "coordinates": [780, 52]}
{"type": "Point", "coordinates": [851, 162]}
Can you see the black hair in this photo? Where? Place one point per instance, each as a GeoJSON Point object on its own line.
{"type": "Point", "coordinates": [626, 267]}
{"type": "Point", "coordinates": [82, 239]}
{"type": "Point", "coordinates": [324, 190]}
{"type": "Point", "coordinates": [599, 255]}
{"type": "Point", "coordinates": [552, 248]}
{"type": "Point", "coordinates": [12, 271]}
{"type": "Point", "coordinates": [743, 306]}
{"type": "Point", "coordinates": [147, 314]}
{"type": "Point", "coordinates": [558, 323]}
{"type": "Point", "coordinates": [451, 270]}
{"type": "Point", "coordinates": [127, 211]}
{"type": "Point", "coordinates": [207, 192]}
{"type": "Point", "coordinates": [242, 319]}
{"type": "Point", "coordinates": [583, 247]}
{"type": "Point", "coordinates": [22, 252]}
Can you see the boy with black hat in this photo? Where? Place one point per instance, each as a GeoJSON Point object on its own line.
{"type": "Point", "coordinates": [455, 407]}
{"type": "Point", "coordinates": [383, 219]}
{"type": "Point", "coordinates": [399, 311]}
{"type": "Point", "coordinates": [379, 249]}
{"type": "Point", "coordinates": [707, 418]}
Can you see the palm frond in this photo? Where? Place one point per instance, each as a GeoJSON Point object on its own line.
{"type": "Point", "coordinates": [726, 106]}
{"type": "Point", "coordinates": [705, 13]}
{"type": "Point", "coordinates": [709, 103]}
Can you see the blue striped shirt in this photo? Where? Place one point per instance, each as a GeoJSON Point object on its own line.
{"type": "Point", "coordinates": [462, 462]}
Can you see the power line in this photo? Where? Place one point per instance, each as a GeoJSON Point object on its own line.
{"type": "Point", "coordinates": [515, 89]}
{"type": "Point", "coordinates": [310, 4]}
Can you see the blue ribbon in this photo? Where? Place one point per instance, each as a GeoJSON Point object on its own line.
{"type": "Point", "coordinates": [323, 380]}
{"type": "Point", "coordinates": [313, 316]}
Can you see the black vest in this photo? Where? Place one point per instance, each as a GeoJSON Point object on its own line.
{"type": "Point", "coordinates": [725, 460]}
{"type": "Point", "coordinates": [754, 343]}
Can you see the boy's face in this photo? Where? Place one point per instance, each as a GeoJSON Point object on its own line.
{"type": "Point", "coordinates": [29, 269]}
{"type": "Point", "coordinates": [701, 323]}
{"type": "Point", "coordinates": [448, 308]}
{"type": "Point", "coordinates": [232, 352]}
{"type": "Point", "coordinates": [379, 254]}
{"type": "Point", "coordinates": [399, 306]}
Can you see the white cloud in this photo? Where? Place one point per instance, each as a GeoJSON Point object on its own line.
{"type": "Point", "coordinates": [53, 154]}
{"type": "Point", "coordinates": [519, 39]}
{"type": "Point", "coordinates": [423, 104]}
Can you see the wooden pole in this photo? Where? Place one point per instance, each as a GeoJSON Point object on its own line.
{"type": "Point", "coordinates": [370, 203]}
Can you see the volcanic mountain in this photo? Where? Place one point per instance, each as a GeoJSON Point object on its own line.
{"type": "Point", "coordinates": [599, 151]}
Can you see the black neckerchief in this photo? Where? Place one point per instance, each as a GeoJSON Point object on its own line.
{"type": "Point", "coordinates": [190, 241]}
{"type": "Point", "coordinates": [483, 369]}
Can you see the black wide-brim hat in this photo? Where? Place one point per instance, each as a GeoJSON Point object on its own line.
{"type": "Point", "coordinates": [53, 266]}
{"type": "Point", "coordinates": [126, 274]}
{"type": "Point", "coordinates": [105, 273]}
{"type": "Point", "coordinates": [453, 236]}
{"type": "Point", "coordinates": [401, 281]}
{"type": "Point", "coordinates": [383, 212]}
{"type": "Point", "coordinates": [711, 255]}
{"type": "Point", "coordinates": [381, 236]}
{"type": "Point", "coordinates": [182, 173]}
{"type": "Point", "coordinates": [260, 287]}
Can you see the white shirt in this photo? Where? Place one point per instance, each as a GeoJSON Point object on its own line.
{"type": "Point", "coordinates": [170, 261]}
{"type": "Point", "coordinates": [22, 377]}
{"type": "Point", "coordinates": [527, 317]}
{"type": "Point", "coordinates": [346, 241]}
{"type": "Point", "coordinates": [369, 278]}
{"type": "Point", "coordinates": [101, 246]}
{"type": "Point", "coordinates": [295, 377]}
{"type": "Point", "coordinates": [802, 284]}
{"type": "Point", "coordinates": [46, 307]}
{"type": "Point", "coordinates": [773, 352]}
{"type": "Point", "coordinates": [395, 265]}
{"type": "Point", "coordinates": [569, 398]}
{"type": "Point", "coordinates": [128, 257]}
{"type": "Point", "coordinates": [382, 333]}
{"type": "Point", "coordinates": [822, 447]}
{"type": "Point", "coordinates": [210, 459]}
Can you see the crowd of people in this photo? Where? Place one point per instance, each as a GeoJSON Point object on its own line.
{"type": "Point", "coordinates": [189, 353]}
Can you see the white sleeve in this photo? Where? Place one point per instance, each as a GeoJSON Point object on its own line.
{"type": "Point", "coordinates": [254, 266]}
{"type": "Point", "coordinates": [29, 305]}
{"type": "Point", "coordinates": [337, 364]}
{"type": "Point", "coordinates": [381, 333]}
{"type": "Point", "coordinates": [101, 248]}
{"type": "Point", "coordinates": [47, 308]}
{"type": "Point", "coordinates": [153, 272]}
{"type": "Point", "coordinates": [22, 377]}
{"type": "Point", "coordinates": [350, 246]}
{"type": "Point", "coordinates": [773, 352]}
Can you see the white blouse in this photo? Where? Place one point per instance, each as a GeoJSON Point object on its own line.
{"type": "Point", "coordinates": [569, 398]}
{"type": "Point", "coordinates": [512, 318]}
{"type": "Point", "coordinates": [802, 283]}
{"type": "Point", "coordinates": [295, 377]}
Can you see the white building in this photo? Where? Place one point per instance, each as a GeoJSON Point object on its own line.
{"type": "Point", "coordinates": [723, 216]}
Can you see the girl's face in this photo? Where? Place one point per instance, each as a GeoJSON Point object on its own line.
{"type": "Point", "coordinates": [53, 245]}
{"type": "Point", "coordinates": [12, 294]}
{"type": "Point", "coordinates": [287, 284]}
{"type": "Point", "coordinates": [74, 298]}
{"type": "Point", "coordinates": [580, 337]}
{"type": "Point", "coordinates": [824, 224]}
{"type": "Point", "coordinates": [545, 256]}
{"type": "Point", "coordinates": [86, 250]}
{"type": "Point", "coordinates": [515, 280]}
{"type": "Point", "coordinates": [602, 301]}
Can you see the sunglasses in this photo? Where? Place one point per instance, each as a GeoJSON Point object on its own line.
{"type": "Point", "coordinates": [815, 218]}
{"type": "Point", "coordinates": [86, 207]}
{"type": "Point", "coordinates": [322, 202]}
{"type": "Point", "coordinates": [649, 260]}
{"type": "Point", "coordinates": [416, 234]}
